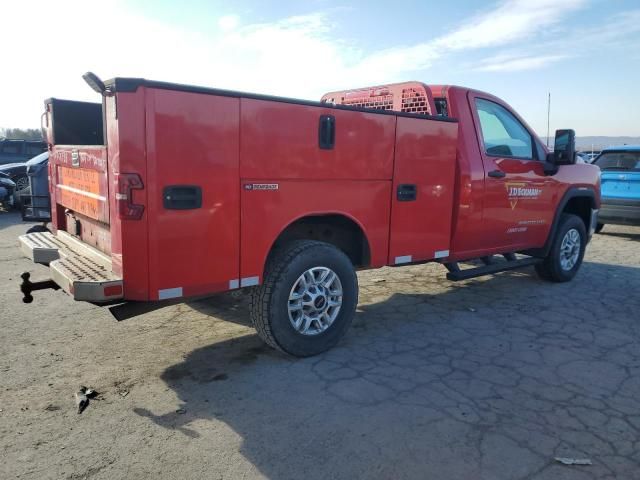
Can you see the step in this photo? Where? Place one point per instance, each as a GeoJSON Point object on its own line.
{"type": "Point", "coordinates": [41, 247]}
{"type": "Point", "coordinates": [79, 269]}
{"type": "Point", "coordinates": [456, 274]}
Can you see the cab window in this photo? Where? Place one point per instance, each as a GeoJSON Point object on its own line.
{"type": "Point", "coordinates": [502, 133]}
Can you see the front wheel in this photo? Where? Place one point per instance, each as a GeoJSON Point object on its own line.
{"type": "Point", "coordinates": [567, 251]}
{"type": "Point", "coordinates": [307, 299]}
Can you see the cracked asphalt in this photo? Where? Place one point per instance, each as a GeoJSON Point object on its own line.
{"type": "Point", "coordinates": [485, 379]}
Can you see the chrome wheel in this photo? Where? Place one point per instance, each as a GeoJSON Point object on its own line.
{"type": "Point", "coordinates": [21, 183]}
{"type": "Point", "coordinates": [315, 300]}
{"type": "Point", "coordinates": [570, 249]}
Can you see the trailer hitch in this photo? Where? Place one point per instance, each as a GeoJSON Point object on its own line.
{"type": "Point", "coordinates": [27, 286]}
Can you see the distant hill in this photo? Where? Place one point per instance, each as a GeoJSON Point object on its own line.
{"type": "Point", "coordinates": [598, 143]}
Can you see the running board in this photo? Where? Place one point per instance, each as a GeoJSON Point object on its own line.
{"type": "Point", "coordinates": [456, 274]}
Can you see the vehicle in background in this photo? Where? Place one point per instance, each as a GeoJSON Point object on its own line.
{"type": "Point", "coordinates": [619, 186]}
{"type": "Point", "coordinates": [7, 190]}
{"type": "Point", "coordinates": [582, 157]}
{"type": "Point", "coordinates": [17, 151]}
{"type": "Point", "coordinates": [34, 200]}
{"type": "Point", "coordinates": [18, 173]}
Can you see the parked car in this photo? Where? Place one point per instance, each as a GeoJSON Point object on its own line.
{"type": "Point", "coordinates": [18, 173]}
{"type": "Point", "coordinates": [7, 190]}
{"type": "Point", "coordinates": [582, 157]}
{"type": "Point", "coordinates": [620, 186]}
{"type": "Point", "coordinates": [34, 200]}
{"type": "Point", "coordinates": [13, 151]}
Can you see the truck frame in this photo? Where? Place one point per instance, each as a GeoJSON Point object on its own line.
{"type": "Point", "coordinates": [165, 192]}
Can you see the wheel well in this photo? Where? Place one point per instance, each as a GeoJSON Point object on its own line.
{"type": "Point", "coordinates": [337, 230]}
{"type": "Point", "coordinates": [580, 206]}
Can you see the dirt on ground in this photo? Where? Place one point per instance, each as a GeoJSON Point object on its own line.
{"type": "Point", "coordinates": [490, 378]}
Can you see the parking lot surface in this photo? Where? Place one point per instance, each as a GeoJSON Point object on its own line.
{"type": "Point", "coordinates": [490, 378]}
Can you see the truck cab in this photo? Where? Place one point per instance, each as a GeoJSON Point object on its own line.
{"type": "Point", "coordinates": [163, 192]}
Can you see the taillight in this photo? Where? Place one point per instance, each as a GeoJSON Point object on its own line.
{"type": "Point", "coordinates": [126, 182]}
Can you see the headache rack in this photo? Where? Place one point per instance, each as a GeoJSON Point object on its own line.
{"type": "Point", "coordinates": [407, 97]}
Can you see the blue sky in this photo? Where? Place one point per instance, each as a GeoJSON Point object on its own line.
{"type": "Point", "coordinates": [586, 52]}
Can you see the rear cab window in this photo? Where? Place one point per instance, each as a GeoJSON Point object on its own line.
{"type": "Point", "coordinates": [503, 135]}
{"type": "Point", "coordinates": [619, 161]}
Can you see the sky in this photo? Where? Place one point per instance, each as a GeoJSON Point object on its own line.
{"type": "Point", "coordinates": [585, 52]}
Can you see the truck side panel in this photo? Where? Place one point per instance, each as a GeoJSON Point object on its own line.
{"type": "Point", "coordinates": [192, 142]}
{"type": "Point", "coordinates": [125, 134]}
{"type": "Point", "coordinates": [423, 190]}
{"type": "Point", "coordinates": [266, 213]}
{"type": "Point", "coordinates": [285, 175]}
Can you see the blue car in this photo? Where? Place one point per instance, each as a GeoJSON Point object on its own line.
{"type": "Point", "coordinates": [620, 186]}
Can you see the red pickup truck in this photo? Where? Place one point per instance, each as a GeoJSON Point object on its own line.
{"type": "Point", "coordinates": [167, 191]}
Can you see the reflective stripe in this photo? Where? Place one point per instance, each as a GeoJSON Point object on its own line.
{"type": "Point", "coordinates": [169, 293]}
{"type": "Point", "coordinates": [249, 281]}
{"type": "Point", "coordinates": [403, 259]}
{"type": "Point", "coordinates": [441, 254]}
{"type": "Point", "coordinates": [235, 283]}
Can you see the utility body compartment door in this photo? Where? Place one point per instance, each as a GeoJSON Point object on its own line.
{"type": "Point", "coordinates": [423, 190]}
{"type": "Point", "coordinates": [193, 193]}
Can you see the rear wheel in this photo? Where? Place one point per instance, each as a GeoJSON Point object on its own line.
{"type": "Point", "coordinates": [567, 251]}
{"type": "Point", "coordinates": [307, 300]}
{"type": "Point", "coordinates": [21, 182]}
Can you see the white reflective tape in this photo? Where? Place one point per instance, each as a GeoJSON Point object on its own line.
{"type": "Point", "coordinates": [441, 254]}
{"type": "Point", "coordinates": [170, 293]}
{"type": "Point", "coordinates": [403, 259]}
{"type": "Point", "coordinates": [235, 283]}
{"type": "Point", "coordinates": [95, 196]}
{"type": "Point", "coordinates": [249, 281]}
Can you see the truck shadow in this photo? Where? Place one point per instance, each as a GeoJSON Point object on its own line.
{"type": "Point", "coordinates": [416, 380]}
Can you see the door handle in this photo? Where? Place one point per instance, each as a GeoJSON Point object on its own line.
{"type": "Point", "coordinates": [497, 174]}
{"type": "Point", "coordinates": [182, 197]}
{"type": "Point", "coordinates": [407, 193]}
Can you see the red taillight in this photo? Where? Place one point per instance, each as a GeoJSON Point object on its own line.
{"type": "Point", "coordinates": [126, 182]}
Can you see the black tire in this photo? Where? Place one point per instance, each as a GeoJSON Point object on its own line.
{"type": "Point", "coordinates": [270, 301]}
{"type": "Point", "coordinates": [599, 227]}
{"type": "Point", "coordinates": [551, 268]}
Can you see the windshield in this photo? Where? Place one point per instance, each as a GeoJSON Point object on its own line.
{"type": "Point", "coordinates": [619, 161]}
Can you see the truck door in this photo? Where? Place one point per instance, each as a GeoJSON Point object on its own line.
{"type": "Point", "coordinates": [193, 191]}
{"type": "Point", "coordinates": [423, 185]}
{"type": "Point", "coordinates": [519, 197]}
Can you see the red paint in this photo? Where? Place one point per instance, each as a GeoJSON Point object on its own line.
{"type": "Point", "coordinates": [260, 168]}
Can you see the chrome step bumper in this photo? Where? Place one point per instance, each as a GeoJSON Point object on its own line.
{"type": "Point", "coordinates": [82, 271]}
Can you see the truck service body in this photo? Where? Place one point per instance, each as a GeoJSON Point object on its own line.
{"type": "Point", "coordinates": [169, 191]}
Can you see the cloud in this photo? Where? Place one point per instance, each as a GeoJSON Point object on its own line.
{"type": "Point", "coordinates": [616, 31]}
{"type": "Point", "coordinates": [228, 22]}
{"type": "Point", "coordinates": [508, 22]}
{"type": "Point", "coordinates": [297, 56]}
{"type": "Point", "coordinates": [506, 63]}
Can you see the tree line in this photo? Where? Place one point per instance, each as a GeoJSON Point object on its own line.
{"type": "Point", "coordinates": [21, 133]}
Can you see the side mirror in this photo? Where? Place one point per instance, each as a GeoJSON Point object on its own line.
{"type": "Point", "coordinates": [564, 148]}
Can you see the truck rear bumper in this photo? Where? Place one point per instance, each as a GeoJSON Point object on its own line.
{"type": "Point", "coordinates": [625, 212]}
{"type": "Point", "coordinates": [80, 270]}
